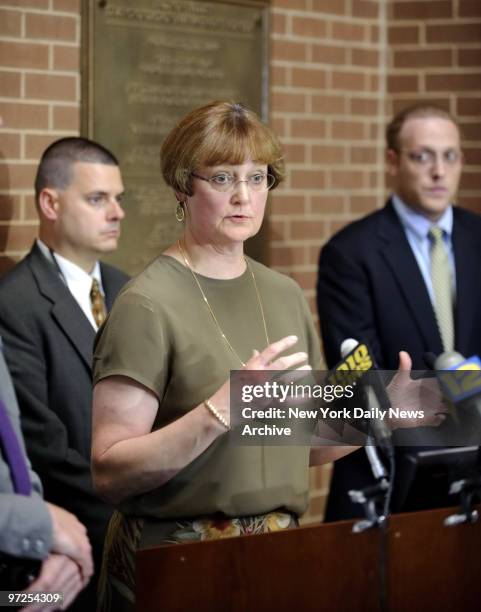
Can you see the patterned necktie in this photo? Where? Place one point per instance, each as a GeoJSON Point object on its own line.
{"type": "Point", "coordinates": [97, 303]}
{"type": "Point", "coordinates": [13, 454]}
{"type": "Point", "coordinates": [441, 279]}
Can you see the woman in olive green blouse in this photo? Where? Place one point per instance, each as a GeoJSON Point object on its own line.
{"type": "Point", "coordinates": [161, 421]}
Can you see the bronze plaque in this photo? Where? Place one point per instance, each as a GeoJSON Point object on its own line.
{"type": "Point", "coordinates": [147, 63]}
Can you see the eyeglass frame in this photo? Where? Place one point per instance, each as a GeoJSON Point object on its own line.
{"type": "Point", "coordinates": [232, 184]}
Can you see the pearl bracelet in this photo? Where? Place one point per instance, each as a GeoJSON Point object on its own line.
{"type": "Point", "coordinates": [211, 408]}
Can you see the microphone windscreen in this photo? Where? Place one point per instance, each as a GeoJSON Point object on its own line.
{"type": "Point", "coordinates": [347, 346]}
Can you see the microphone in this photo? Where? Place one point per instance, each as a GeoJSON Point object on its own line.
{"type": "Point", "coordinates": [358, 361]}
{"type": "Point", "coordinates": [460, 380]}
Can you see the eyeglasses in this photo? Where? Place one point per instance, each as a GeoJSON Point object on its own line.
{"type": "Point", "coordinates": [427, 158]}
{"type": "Point", "coordinates": [259, 181]}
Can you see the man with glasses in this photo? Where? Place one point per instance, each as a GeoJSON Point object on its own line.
{"type": "Point", "coordinates": [51, 305]}
{"type": "Point", "coordinates": [405, 277]}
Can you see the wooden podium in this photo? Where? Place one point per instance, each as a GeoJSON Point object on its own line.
{"type": "Point", "coordinates": [324, 567]}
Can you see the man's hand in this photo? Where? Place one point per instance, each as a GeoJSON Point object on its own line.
{"type": "Point", "coordinates": [59, 574]}
{"type": "Point", "coordinates": [70, 539]}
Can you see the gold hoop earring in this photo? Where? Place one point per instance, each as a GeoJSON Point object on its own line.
{"type": "Point", "coordinates": [180, 212]}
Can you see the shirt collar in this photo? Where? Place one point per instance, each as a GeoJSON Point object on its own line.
{"type": "Point", "coordinates": [418, 223]}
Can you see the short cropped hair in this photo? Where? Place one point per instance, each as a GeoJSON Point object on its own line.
{"type": "Point", "coordinates": [55, 167]}
{"type": "Point", "coordinates": [218, 133]}
{"type": "Point", "coordinates": [417, 111]}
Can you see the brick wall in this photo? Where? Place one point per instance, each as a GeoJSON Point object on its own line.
{"type": "Point", "coordinates": [338, 70]}
{"type": "Point", "coordinates": [39, 102]}
{"type": "Point", "coordinates": [435, 54]}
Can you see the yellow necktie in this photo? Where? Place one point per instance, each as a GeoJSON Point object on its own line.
{"type": "Point", "coordinates": [441, 279]}
{"type": "Point", "coordinates": [97, 303]}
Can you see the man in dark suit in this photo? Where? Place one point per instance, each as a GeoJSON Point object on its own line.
{"type": "Point", "coordinates": [51, 304]}
{"type": "Point", "coordinates": [375, 280]}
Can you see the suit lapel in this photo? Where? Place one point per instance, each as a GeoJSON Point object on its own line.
{"type": "Point", "coordinates": [398, 255]}
{"type": "Point", "coordinates": [467, 257]}
{"type": "Point", "coordinates": [65, 311]}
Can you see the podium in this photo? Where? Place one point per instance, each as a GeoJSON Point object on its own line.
{"type": "Point", "coordinates": [315, 568]}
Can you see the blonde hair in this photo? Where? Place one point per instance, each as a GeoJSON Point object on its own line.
{"type": "Point", "coordinates": [218, 133]}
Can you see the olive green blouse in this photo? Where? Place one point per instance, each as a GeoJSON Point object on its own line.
{"type": "Point", "coordinates": [161, 334]}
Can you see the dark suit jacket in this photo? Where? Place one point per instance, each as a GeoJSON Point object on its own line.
{"type": "Point", "coordinates": [48, 347]}
{"type": "Point", "coordinates": [370, 288]}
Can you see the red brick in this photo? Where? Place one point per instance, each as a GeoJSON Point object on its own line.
{"type": "Point", "coordinates": [17, 237]}
{"type": "Point", "coordinates": [66, 58]}
{"type": "Point", "coordinates": [327, 54]}
{"type": "Point", "coordinates": [471, 180]}
{"type": "Point", "coordinates": [308, 128]}
{"type": "Point", "coordinates": [403, 35]}
{"type": "Point", "coordinates": [10, 207]}
{"type": "Point", "coordinates": [471, 131]}
{"type": "Point", "coordinates": [10, 146]}
{"type": "Point", "coordinates": [308, 26]}
{"type": "Point", "coordinates": [471, 203]}
{"type": "Point", "coordinates": [363, 155]}
{"type": "Point", "coordinates": [67, 6]}
{"type": "Point", "coordinates": [327, 204]}
{"type": "Point", "coordinates": [17, 176]}
{"type": "Point", "coordinates": [348, 31]}
{"type": "Point", "coordinates": [288, 204]}
{"type": "Point", "coordinates": [291, 4]}
{"type": "Point", "coordinates": [398, 105]}
{"type": "Point", "coordinates": [434, 9]}
{"type": "Point", "coordinates": [37, 4]}
{"type": "Point", "coordinates": [469, 8]}
{"type": "Point", "coordinates": [375, 34]}
{"type": "Point", "coordinates": [335, 7]}
{"type": "Point", "coordinates": [308, 179]}
{"type": "Point", "coordinates": [468, 106]}
{"type": "Point", "coordinates": [362, 204]}
{"type": "Point", "coordinates": [277, 229]}
{"type": "Point", "coordinates": [279, 126]}
{"type": "Point", "coordinates": [305, 280]}
{"type": "Point", "coordinates": [472, 156]}
{"type": "Point", "coordinates": [348, 130]}
{"type": "Point", "coordinates": [10, 23]}
{"type": "Point", "coordinates": [365, 8]}
{"type": "Point", "coordinates": [423, 58]}
{"type": "Point", "coordinates": [308, 77]}
{"type": "Point", "coordinates": [9, 84]}
{"type": "Point", "coordinates": [328, 154]}
{"type": "Point", "coordinates": [308, 230]}
{"type": "Point", "coordinates": [288, 50]}
{"type": "Point", "coordinates": [24, 55]}
{"type": "Point", "coordinates": [278, 76]}
{"type": "Point", "coordinates": [401, 83]}
{"type": "Point", "coordinates": [364, 106]}
{"type": "Point", "coordinates": [66, 118]}
{"type": "Point", "coordinates": [364, 57]}
{"type": "Point", "coordinates": [24, 116]}
{"type": "Point", "coordinates": [295, 153]}
{"type": "Point", "coordinates": [348, 81]}
{"type": "Point", "coordinates": [35, 144]}
{"type": "Point", "coordinates": [373, 81]}
{"type": "Point", "coordinates": [50, 87]}
{"type": "Point", "coordinates": [347, 179]}
{"type": "Point", "coordinates": [453, 82]}
{"type": "Point", "coordinates": [469, 57]}
{"type": "Point", "coordinates": [287, 102]}
{"type": "Point", "coordinates": [278, 22]}
{"type": "Point", "coordinates": [6, 263]}
{"type": "Point", "coordinates": [282, 256]}
{"type": "Point", "coordinates": [51, 27]}
{"type": "Point", "coordinates": [29, 209]}
{"type": "Point", "coordinates": [335, 105]}
{"type": "Point", "coordinates": [463, 33]}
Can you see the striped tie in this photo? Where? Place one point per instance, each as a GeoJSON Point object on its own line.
{"type": "Point", "coordinates": [97, 303]}
{"type": "Point", "coordinates": [441, 279]}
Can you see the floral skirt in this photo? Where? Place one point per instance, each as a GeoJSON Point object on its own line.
{"type": "Point", "coordinates": [126, 534]}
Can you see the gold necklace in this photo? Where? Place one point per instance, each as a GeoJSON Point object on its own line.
{"type": "Point", "coordinates": [224, 337]}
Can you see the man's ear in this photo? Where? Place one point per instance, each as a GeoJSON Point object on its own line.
{"type": "Point", "coordinates": [48, 203]}
{"type": "Point", "coordinates": [392, 161]}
